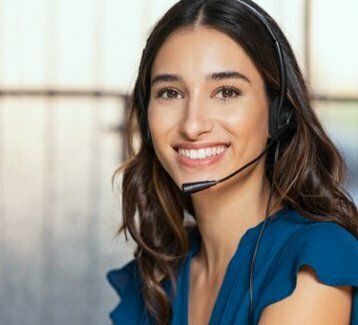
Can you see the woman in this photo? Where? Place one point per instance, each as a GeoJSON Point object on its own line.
{"type": "Point", "coordinates": [273, 240]}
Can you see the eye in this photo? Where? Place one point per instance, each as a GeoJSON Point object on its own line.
{"type": "Point", "coordinates": [167, 93]}
{"type": "Point", "coordinates": [229, 92]}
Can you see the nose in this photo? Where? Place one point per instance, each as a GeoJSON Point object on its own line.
{"type": "Point", "coordinates": [196, 120]}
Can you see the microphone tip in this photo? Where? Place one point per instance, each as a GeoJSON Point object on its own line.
{"type": "Point", "coordinates": [191, 188]}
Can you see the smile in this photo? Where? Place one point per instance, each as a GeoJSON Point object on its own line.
{"type": "Point", "coordinates": [201, 153]}
{"type": "Point", "coordinates": [200, 157]}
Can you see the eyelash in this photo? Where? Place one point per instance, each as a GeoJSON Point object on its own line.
{"type": "Point", "coordinates": [230, 88]}
{"type": "Point", "coordinates": [164, 90]}
{"type": "Point", "coordinates": [223, 88]}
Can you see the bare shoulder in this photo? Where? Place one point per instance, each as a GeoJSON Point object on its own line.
{"type": "Point", "coordinates": [312, 302]}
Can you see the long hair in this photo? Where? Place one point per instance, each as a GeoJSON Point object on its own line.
{"type": "Point", "coordinates": [308, 175]}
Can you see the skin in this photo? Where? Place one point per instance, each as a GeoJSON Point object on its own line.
{"type": "Point", "coordinates": [195, 110]}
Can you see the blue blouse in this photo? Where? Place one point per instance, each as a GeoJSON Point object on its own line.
{"type": "Point", "coordinates": [289, 241]}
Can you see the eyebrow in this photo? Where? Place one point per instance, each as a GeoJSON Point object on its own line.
{"type": "Point", "coordinates": [215, 76]}
{"type": "Point", "coordinates": [227, 75]}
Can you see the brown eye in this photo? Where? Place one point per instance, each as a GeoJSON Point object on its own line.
{"type": "Point", "coordinates": [228, 92]}
{"type": "Point", "coordinates": [168, 93]}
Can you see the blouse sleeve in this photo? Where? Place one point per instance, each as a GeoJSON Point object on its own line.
{"type": "Point", "coordinates": [328, 248]}
{"type": "Point", "coordinates": [126, 283]}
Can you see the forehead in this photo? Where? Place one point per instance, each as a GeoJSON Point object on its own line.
{"type": "Point", "coordinates": [201, 50]}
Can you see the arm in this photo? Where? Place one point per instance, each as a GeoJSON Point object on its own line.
{"type": "Point", "coordinates": [311, 303]}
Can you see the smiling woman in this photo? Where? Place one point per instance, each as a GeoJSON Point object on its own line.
{"type": "Point", "coordinates": [219, 97]}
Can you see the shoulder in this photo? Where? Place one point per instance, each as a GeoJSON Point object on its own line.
{"type": "Point", "coordinates": [311, 301]}
{"type": "Point", "coordinates": [125, 281]}
{"type": "Point", "coordinates": [326, 246]}
{"type": "Point", "coordinates": [121, 279]}
{"type": "Point", "coordinates": [325, 230]}
{"type": "Point", "coordinates": [311, 239]}
{"type": "Point", "coordinates": [314, 278]}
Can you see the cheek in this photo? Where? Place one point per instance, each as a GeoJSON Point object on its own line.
{"type": "Point", "coordinates": [259, 119]}
{"type": "Point", "coordinates": [162, 121]}
{"type": "Point", "coordinates": [154, 123]}
{"type": "Point", "coordinates": [251, 124]}
{"type": "Point", "coordinates": [160, 127]}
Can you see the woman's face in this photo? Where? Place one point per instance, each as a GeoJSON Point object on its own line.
{"type": "Point", "coordinates": [208, 109]}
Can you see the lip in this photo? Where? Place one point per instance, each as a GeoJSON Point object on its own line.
{"type": "Point", "coordinates": [200, 162]}
{"type": "Point", "coordinates": [185, 145]}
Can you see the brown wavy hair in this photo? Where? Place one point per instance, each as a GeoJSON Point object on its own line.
{"type": "Point", "coordinates": [307, 177]}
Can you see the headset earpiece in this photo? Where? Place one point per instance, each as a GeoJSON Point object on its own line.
{"type": "Point", "coordinates": [282, 122]}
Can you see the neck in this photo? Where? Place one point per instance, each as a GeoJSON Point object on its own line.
{"type": "Point", "coordinates": [224, 214]}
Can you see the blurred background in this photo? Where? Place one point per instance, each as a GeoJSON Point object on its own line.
{"type": "Point", "coordinates": [66, 68]}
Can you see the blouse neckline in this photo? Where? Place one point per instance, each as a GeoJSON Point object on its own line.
{"type": "Point", "coordinates": [249, 237]}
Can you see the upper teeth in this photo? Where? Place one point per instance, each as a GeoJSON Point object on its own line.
{"type": "Point", "coordinates": [201, 153]}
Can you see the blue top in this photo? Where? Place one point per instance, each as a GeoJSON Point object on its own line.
{"type": "Point", "coordinates": [289, 241]}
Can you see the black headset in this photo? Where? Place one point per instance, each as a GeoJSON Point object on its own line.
{"type": "Point", "coordinates": [282, 123]}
